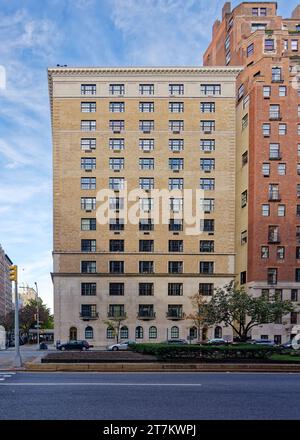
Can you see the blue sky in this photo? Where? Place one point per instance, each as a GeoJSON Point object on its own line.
{"type": "Point", "coordinates": [36, 34]}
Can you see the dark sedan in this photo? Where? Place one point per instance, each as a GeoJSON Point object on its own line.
{"type": "Point", "coordinates": [74, 345]}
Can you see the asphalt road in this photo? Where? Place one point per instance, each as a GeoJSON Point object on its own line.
{"type": "Point", "coordinates": [156, 396]}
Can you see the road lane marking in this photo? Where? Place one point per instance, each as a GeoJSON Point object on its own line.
{"type": "Point", "coordinates": [102, 384]}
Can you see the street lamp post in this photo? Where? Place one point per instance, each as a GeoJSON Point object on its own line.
{"type": "Point", "coordinates": [13, 276]}
{"type": "Point", "coordinates": [37, 314]}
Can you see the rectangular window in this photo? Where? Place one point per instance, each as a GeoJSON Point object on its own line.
{"type": "Point", "coordinates": [176, 204]}
{"type": "Point", "coordinates": [206, 289]}
{"type": "Point", "coordinates": [258, 27]}
{"type": "Point", "coordinates": [272, 276]}
{"type": "Point", "coordinates": [294, 294]}
{"type": "Point", "coordinates": [285, 44]}
{"type": "Point", "coordinates": [116, 163]}
{"type": "Point", "coordinates": [274, 151]}
{"type": "Point", "coordinates": [88, 125]}
{"type": "Point", "coordinates": [175, 224]}
{"type": "Point", "coordinates": [176, 144]}
{"type": "Point", "coordinates": [146, 144]}
{"type": "Point", "coordinates": [207, 205]}
{"type": "Point", "coordinates": [88, 245]}
{"type": "Point", "coordinates": [175, 245]}
{"type": "Point", "coordinates": [269, 45]}
{"type": "Point", "coordinates": [146, 107]}
{"type": "Point", "coordinates": [244, 237]}
{"type": "Point", "coordinates": [146, 125]}
{"type": "Point", "coordinates": [175, 183]}
{"type": "Point", "coordinates": [265, 210]}
{"type": "Point", "coordinates": [175, 266]}
{"type": "Point", "coordinates": [146, 289]}
{"type": "Point", "coordinates": [282, 169]}
{"type": "Point", "coordinates": [117, 107]}
{"type": "Point", "coordinates": [175, 164]}
{"type": "Point", "coordinates": [116, 266]}
{"type": "Point", "coordinates": [116, 289]}
{"type": "Point", "coordinates": [207, 246]}
{"type": "Point", "coordinates": [245, 158]}
{"type": "Point", "coordinates": [294, 45]}
{"type": "Point", "coordinates": [88, 224]}
{"type": "Point", "coordinates": [207, 126]}
{"type": "Point", "coordinates": [88, 182]}
{"type": "Point", "coordinates": [206, 267]}
{"type": "Point", "coordinates": [88, 144]}
{"type": "Point", "coordinates": [266, 91]}
{"type": "Point", "coordinates": [146, 246]}
{"type": "Point", "coordinates": [146, 89]}
{"type": "Point", "coordinates": [207, 107]}
{"type": "Point", "coordinates": [89, 311]}
{"type": "Point", "coordinates": [146, 164]}
{"type": "Point", "coordinates": [266, 129]}
{"type": "Point", "coordinates": [88, 107]}
{"type": "Point", "coordinates": [176, 107]}
{"type": "Point", "coordinates": [210, 89]}
{"type": "Point", "coordinates": [280, 252]}
{"type": "Point", "coordinates": [116, 125]}
{"type": "Point", "coordinates": [276, 74]}
{"type": "Point", "coordinates": [116, 311]}
{"type": "Point", "coordinates": [241, 91]}
{"type": "Point", "coordinates": [146, 267]}
{"type": "Point", "coordinates": [88, 267]}
{"type": "Point", "coordinates": [281, 211]}
{"type": "Point", "coordinates": [116, 203]}
{"type": "Point", "coordinates": [116, 245]}
{"type": "Point", "coordinates": [244, 197]}
{"type": "Point", "coordinates": [282, 90]}
{"type": "Point", "coordinates": [207, 145]}
{"type": "Point", "coordinates": [250, 50]}
{"type": "Point", "coordinates": [175, 289]}
{"type": "Point", "coordinates": [245, 121]}
{"type": "Point", "coordinates": [207, 165]}
{"type": "Point", "coordinates": [88, 289]}
{"type": "Point", "coordinates": [264, 252]}
{"type": "Point", "coordinates": [294, 318]}
{"type": "Point", "coordinates": [146, 224]}
{"type": "Point", "coordinates": [116, 144]}
{"type": "Point", "coordinates": [88, 163]}
{"type": "Point", "coordinates": [146, 183]}
{"type": "Point", "coordinates": [298, 111]}
{"type": "Point", "coordinates": [243, 277]}
{"type": "Point", "coordinates": [116, 89]}
{"type": "Point", "coordinates": [298, 210]}
{"type": "Point", "coordinates": [176, 125]}
{"type": "Point", "coordinates": [116, 224]}
{"type": "Point", "coordinates": [146, 204]}
{"type": "Point", "coordinates": [282, 129]}
{"type": "Point", "coordinates": [88, 203]}
{"type": "Point", "coordinates": [273, 234]}
{"type": "Point", "coordinates": [297, 275]}
{"type": "Point", "coordinates": [88, 89]}
{"type": "Point", "coordinates": [207, 225]}
{"type": "Point", "coordinates": [176, 89]}
{"type": "Point", "coordinates": [207, 184]}
{"type": "Point", "coordinates": [116, 183]}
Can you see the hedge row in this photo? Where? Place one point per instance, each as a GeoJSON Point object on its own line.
{"type": "Point", "coordinates": [166, 352]}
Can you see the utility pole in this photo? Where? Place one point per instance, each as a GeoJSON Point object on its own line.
{"type": "Point", "coordinates": [13, 276]}
{"type": "Point", "coordinates": [37, 314]}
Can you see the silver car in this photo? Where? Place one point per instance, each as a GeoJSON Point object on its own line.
{"type": "Point", "coordinates": [123, 345]}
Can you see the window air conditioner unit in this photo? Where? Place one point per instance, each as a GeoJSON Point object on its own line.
{"type": "Point", "coordinates": [176, 170]}
{"type": "Point", "coordinates": [116, 131]}
{"type": "Point", "coordinates": [176, 131]}
{"type": "Point", "coordinates": [207, 132]}
{"type": "Point", "coordinates": [116, 170]}
{"type": "Point", "coordinates": [146, 131]}
{"type": "Point", "coordinates": [88, 170]}
{"type": "Point", "coordinates": [207, 171]}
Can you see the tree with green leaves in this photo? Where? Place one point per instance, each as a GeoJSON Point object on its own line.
{"type": "Point", "coordinates": [115, 324]}
{"type": "Point", "coordinates": [234, 307]}
{"type": "Point", "coordinates": [198, 315]}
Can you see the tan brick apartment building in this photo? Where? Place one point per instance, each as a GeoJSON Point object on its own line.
{"type": "Point", "coordinates": [147, 128]}
{"type": "Point", "coordinates": [268, 149]}
{"type": "Point", "coordinates": [5, 284]}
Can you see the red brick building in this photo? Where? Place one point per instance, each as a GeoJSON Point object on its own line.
{"type": "Point", "coordinates": [268, 149]}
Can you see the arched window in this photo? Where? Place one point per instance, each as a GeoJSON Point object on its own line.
{"type": "Point", "coordinates": [152, 332]}
{"type": "Point", "coordinates": [193, 333]}
{"type": "Point", "coordinates": [73, 334]}
{"type": "Point", "coordinates": [124, 332]}
{"type": "Point", "coordinates": [218, 332]}
{"type": "Point", "coordinates": [139, 332]}
{"type": "Point", "coordinates": [174, 332]}
{"type": "Point", "coordinates": [89, 333]}
{"type": "Point", "coordinates": [110, 333]}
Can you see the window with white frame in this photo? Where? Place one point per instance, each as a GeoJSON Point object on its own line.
{"type": "Point", "coordinates": [117, 107]}
{"type": "Point", "coordinates": [176, 204]}
{"type": "Point", "coordinates": [146, 163]}
{"type": "Point", "coordinates": [116, 183]}
{"type": "Point", "coordinates": [146, 204]}
{"type": "Point", "coordinates": [116, 163]}
{"type": "Point", "coordinates": [146, 125]}
{"type": "Point", "coordinates": [207, 145]}
{"type": "Point", "coordinates": [88, 144]}
{"type": "Point", "coordinates": [88, 183]}
{"type": "Point", "coordinates": [88, 163]}
{"type": "Point", "coordinates": [176, 89]}
{"type": "Point", "coordinates": [176, 125]}
{"type": "Point", "coordinates": [146, 89]}
{"type": "Point", "coordinates": [116, 144]}
{"type": "Point", "coordinates": [210, 89]}
{"type": "Point", "coordinates": [176, 144]}
{"type": "Point", "coordinates": [146, 183]}
{"type": "Point", "coordinates": [88, 107]}
{"type": "Point", "coordinates": [175, 164]}
{"type": "Point", "coordinates": [88, 89]}
{"type": "Point", "coordinates": [207, 205]}
{"type": "Point", "coordinates": [117, 89]}
{"type": "Point", "coordinates": [176, 107]}
{"type": "Point", "coordinates": [88, 125]}
{"type": "Point", "coordinates": [265, 210]}
{"type": "Point", "coordinates": [175, 183]}
{"type": "Point", "coordinates": [146, 144]}
{"type": "Point", "coordinates": [146, 107]}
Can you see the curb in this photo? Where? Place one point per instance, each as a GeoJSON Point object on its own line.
{"type": "Point", "coordinates": [163, 367]}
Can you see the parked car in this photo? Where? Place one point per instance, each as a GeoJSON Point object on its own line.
{"type": "Point", "coordinates": [123, 345]}
{"type": "Point", "coordinates": [74, 345]}
{"type": "Point", "coordinates": [268, 342]}
{"type": "Point", "coordinates": [217, 341]}
{"type": "Point", "coordinates": [175, 342]}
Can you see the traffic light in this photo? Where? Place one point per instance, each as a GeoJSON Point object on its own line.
{"type": "Point", "coordinates": [13, 273]}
